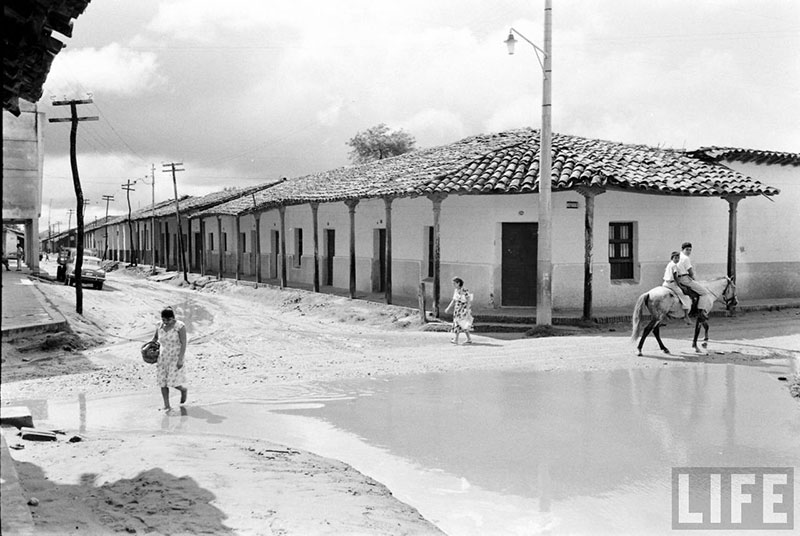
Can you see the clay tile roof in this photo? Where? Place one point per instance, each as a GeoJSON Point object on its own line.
{"type": "Point", "coordinates": [581, 162]}
{"type": "Point", "coordinates": [716, 154]}
{"type": "Point", "coordinates": [29, 46]}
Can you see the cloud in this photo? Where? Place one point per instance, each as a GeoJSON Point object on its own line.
{"type": "Point", "coordinates": [111, 69]}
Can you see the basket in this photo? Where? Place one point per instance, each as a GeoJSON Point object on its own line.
{"type": "Point", "coordinates": [150, 352]}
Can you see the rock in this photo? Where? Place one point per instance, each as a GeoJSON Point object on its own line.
{"type": "Point", "coordinates": [33, 501]}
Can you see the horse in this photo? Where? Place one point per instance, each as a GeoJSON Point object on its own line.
{"type": "Point", "coordinates": [660, 302]}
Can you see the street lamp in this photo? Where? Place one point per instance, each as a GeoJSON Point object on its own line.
{"type": "Point", "coordinates": [544, 265]}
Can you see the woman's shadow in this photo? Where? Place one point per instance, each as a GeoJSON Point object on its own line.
{"type": "Point", "coordinates": [197, 412]}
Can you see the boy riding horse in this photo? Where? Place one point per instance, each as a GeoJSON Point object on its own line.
{"type": "Point", "coordinates": [686, 280]}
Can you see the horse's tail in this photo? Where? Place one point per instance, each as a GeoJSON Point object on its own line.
{"type": "Point", "coordinates": [638, 313]}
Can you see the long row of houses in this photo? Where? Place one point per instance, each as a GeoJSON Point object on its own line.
{"type": "Point", "coordinates": [469, 209]}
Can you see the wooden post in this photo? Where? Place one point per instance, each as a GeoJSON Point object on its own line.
{"type": "Point", "coordinates": [220, 261]}
{"type": "Point", "coordinates": [351, 205]}
{"type": "Point", "coordinates": [203, 249]}
{"type": "Point", "coordinates": [237, 229]}
{"type": "Point", "coordinates": [588, 239]}
{"type": "Point", "coordinates": [733, 202]}
{"type": "Point", "coordinates": [257, 217]}
{"type": "Point", "coordinates": [421, 302]}
{"type": "Point", "coordinates": [388, 282]}
{"type": "Point", "coordinates": [282, 212]}
{"type": "Point", "coordinates": [315, 234]}
{"type": "Point", "coordinates": [189, 243]}
{"type": "Point", "coordinates": [437, 276]}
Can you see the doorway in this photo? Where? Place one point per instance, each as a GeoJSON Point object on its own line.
{"type": "Point", "coordinates": [330, 251]}
{"type": "Point", "coordinates": [519, 264]}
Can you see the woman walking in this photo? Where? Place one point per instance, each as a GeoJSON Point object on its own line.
{"type": "Point", "coordinates": [462, 312]}
{"type": "Point", "coordinates": [171, 333]}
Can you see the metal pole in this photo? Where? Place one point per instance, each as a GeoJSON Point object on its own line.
{"type": "Point", "coordinates": [544, 297]}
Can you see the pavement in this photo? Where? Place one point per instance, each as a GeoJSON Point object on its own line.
{"type": "Point", "coordinates": [26, 310]}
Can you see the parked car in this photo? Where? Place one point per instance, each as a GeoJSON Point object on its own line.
{"type": "Point", "coordinates": [91, 272]}
{"type": "Point", "coordinates": [66, 255]}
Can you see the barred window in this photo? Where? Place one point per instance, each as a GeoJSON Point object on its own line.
{"type": "Point", "coordinates": [620, 250]}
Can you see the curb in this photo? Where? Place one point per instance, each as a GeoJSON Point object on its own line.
{"type": "Point", "coordinates": [16, 519]}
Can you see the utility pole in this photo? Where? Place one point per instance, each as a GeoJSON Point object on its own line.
{"type": "Point", "coordinates": [128, 187]}
{"type": "Point", "coordinates": [544, 303]}
{"type": "Point", "coordinates": [172, 167]}
{"type": "Point", "coordinates": [152, 185]}
{"type": "Point", "coordinates": [70, 212]}
{"type": "Point", "coordinates": [76, 181]}
{"type": "Point", "coordinates": [106, 198]}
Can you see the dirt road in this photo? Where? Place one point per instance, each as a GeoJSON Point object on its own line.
{"type": "Point", "coordinates": [240, 337]}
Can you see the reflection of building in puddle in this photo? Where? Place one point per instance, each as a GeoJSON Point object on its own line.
{"type": "Point", "coordinates": [37, 407]}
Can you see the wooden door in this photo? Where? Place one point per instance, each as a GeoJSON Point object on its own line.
{"type": "Point", "coordinates": [330, 251]}
{"type": "Point", "coordinates": [519, 264]}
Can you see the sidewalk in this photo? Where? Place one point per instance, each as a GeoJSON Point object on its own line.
{"type": "Point", "coordinates": [25, 308]}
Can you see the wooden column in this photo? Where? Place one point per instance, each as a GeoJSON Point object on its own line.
{"type": "Point", "coordinates": [437, 276]}
{"type": "Point", "coordinates": [315, 234]}
{"type": "Point", "coordinates": [220, 261]}
{"type": "Point", "coordinates": [733, 202]}
{"type": "Point", "coordinates": [237, 229]}
{"type": "Point", "coordinates": [257, 216]}
{"type": "Point", "coordinates": [388, 281]}
{"type": "Point", "coordinates": [351, 206]}
{"type": "Point", "coordinates": [189, 256]}
{"type": "Point", "coordinates": [588, 194]}
{"type": "Point", "coordinates": [204, 248]}
{"type": "Point", "coordinates": [282, 212]}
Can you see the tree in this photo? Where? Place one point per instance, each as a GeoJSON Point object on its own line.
{"type": "Point", "coordinates": [378, 142]}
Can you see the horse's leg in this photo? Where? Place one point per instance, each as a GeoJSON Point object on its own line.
{"type": "Point", "coordinates": [705, 331]}
{"type": "Point", "coordinates": [696, 333]}
{"type": "Point", "coordinates": [647, 329]}
{"type": "Point", "coordinates": [656, 332]}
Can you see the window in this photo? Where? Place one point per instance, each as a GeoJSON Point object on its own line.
{"type": "Point", "coordinates": [298, 246]}
{"type": "Point", "coordinates": [224, 241]}
{"type": "Point", "coordinates": [243, 241]}
{"type": "Point", "coordinates": [620, 250]}
{"type": "Point", "coordinates": [210, 241]}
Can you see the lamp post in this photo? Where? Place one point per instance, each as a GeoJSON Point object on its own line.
{"type": "Point", "coordinates": [544, 264]}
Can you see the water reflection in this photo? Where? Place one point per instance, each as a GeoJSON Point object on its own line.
{"type": "Point", "coordinates": [502, 452]}
{"type": "Point", "coordinates": [596, 448]}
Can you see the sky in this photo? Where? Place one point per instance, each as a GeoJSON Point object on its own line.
{"type": "Point", "coordinates": [249, 91]}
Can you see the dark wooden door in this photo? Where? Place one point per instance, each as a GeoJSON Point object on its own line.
{"type": "Point", "coordinates": [519, 264]}
{"type": "Point", "coordinates": [330, 250]}
{"type": "Point", "coordinates": [381, 286]}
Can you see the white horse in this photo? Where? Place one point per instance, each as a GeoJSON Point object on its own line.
{"type": "Point", "coordinates": [660, 302]}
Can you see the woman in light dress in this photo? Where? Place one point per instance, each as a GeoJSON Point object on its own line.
{"type": "Point", "coordinates": [462, 311]}
{"type": "Point", "coordinates": [170, 372]}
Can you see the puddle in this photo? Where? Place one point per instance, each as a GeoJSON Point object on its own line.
{"type": "Point", "coordinates": [482, 453]}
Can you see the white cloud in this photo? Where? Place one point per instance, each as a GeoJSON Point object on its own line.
{"type": "Point", "coordinates": [111, 69]}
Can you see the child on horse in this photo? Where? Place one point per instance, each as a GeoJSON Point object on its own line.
{"type": "Point", "coordinates": [686, 279]}
{"type": "Point", "coordinates": [670, 281]}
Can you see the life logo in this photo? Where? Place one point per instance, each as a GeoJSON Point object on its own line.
{"type": "Point", "coordinates": [731, 498]}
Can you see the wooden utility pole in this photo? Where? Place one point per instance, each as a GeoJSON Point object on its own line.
{"type": "Point", "coordinates": [173, 168]}
{"type": "Point", "coordinates": [128, 187]}
{"type": "Point", "coordinates": [152, 185]}
{"type": "Point", "coordinates": [70, 212]}
{"type": "Point", "coordinates": [76, 181]}
{"type": "Point", "coordinates": [106, 198]}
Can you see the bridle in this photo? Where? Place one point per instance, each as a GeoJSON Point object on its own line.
{"type": "Point", "coordinates": [730, 300]}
